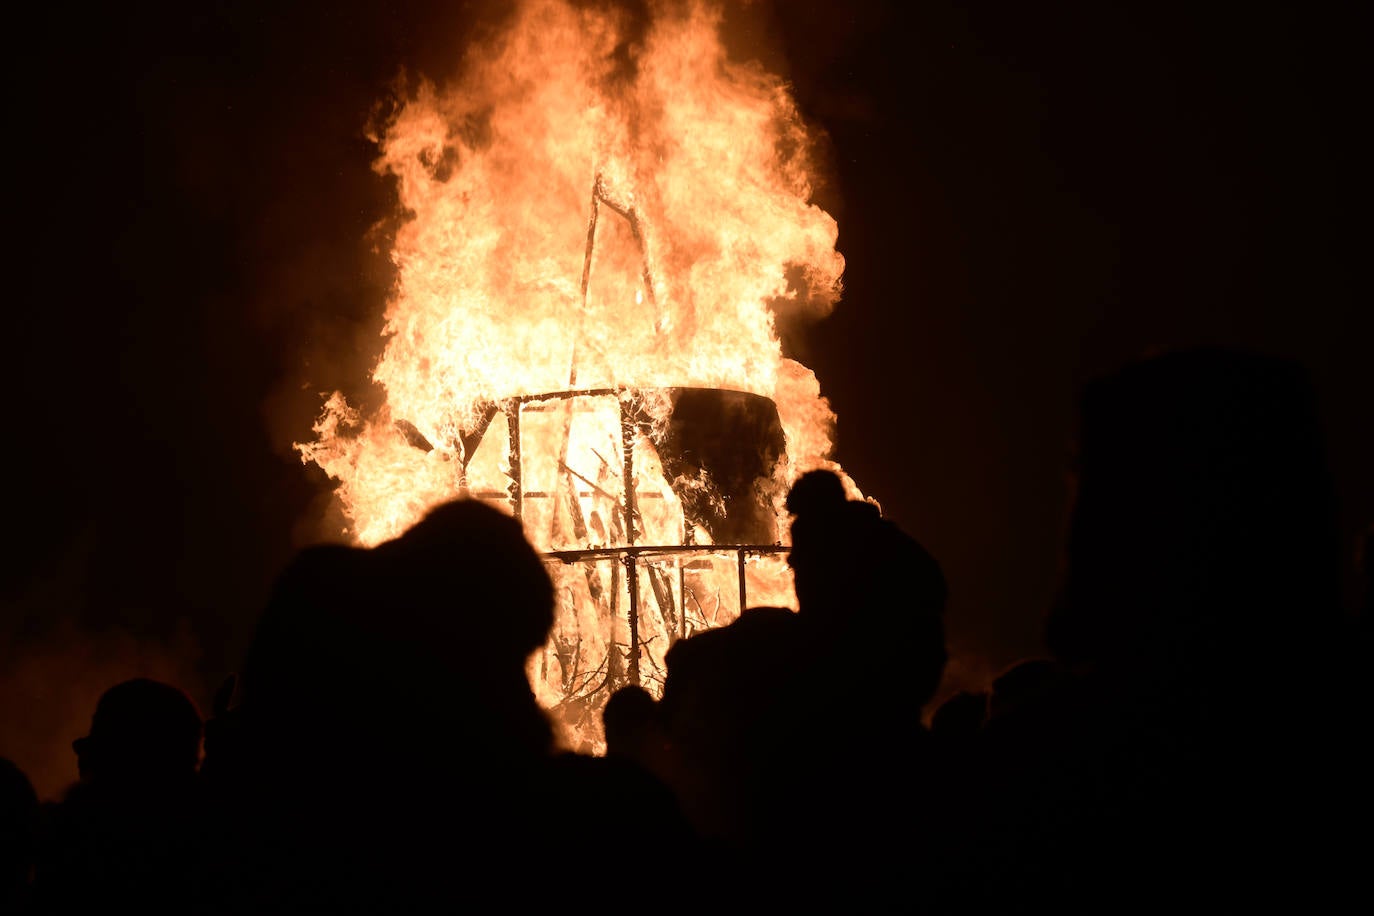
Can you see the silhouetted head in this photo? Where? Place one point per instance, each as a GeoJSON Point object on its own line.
{"type": "Point", "coordinates": [408, 653]}
{"type": "Point", "coordinates": [143, 730]}
{"type": "Point", "coordinates": [1203, 529]}
{"type": "Point", "coordinates": [1023, 685]}
{"type": "Point", "coordinates": [815, 493]}
{"type": "Point", "coordinates": [468, 572]}
{"type": "Point", "coordinates": [960, 716]}
{"type": "Point", "coordinates": [628, 715]}
{"type": "Point", "coordinates": [634, 729]}
{"type": "Point", "coordinates": [843, 551]}
{"type": "Point", "coordinates": [311, 644]}
{"type": "Point", "coordinates": [723, 694]}
{"type": "Point", "coordinates": [860, 575]}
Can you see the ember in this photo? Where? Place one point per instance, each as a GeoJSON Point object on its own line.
{"type": "Point", "coordinates": [601, 234]}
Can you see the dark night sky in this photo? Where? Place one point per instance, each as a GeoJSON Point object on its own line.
{"type": "Point", "coordinates": [1027, 194]}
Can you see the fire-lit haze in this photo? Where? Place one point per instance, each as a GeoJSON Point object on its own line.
{"type": "Point", "coordinates": [614, 208]}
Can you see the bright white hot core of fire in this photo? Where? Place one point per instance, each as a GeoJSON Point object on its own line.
{"type": "Point", "coordinates": [593, 203]}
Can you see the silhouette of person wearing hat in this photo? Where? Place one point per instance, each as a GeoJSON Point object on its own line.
{"type": "Point", "coordinates": [127, 834]}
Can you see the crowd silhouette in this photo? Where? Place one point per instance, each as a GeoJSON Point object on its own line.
{"type": "Point", "coordinates": [1193, 738]}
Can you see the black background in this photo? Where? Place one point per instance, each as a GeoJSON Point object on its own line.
{"type": "Point", "coordinates": [1027, 194]}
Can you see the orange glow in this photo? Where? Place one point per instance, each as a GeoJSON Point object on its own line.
{"type": "Point", "coordinates": [622, 212]}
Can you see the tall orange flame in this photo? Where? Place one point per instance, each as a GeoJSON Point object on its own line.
{"type": "Point", "coordinates": [594, 204]}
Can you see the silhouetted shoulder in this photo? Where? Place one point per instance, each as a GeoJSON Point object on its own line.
{"type": "Point", "coordinates": [19, 826]}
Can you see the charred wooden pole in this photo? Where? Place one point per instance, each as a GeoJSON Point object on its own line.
{"type": "Point", "coordinates": [627, 446]}
{"type": "Point", "coordinates": [517, 498]}
{"type": "Point", "coordinates": [627, 210]}
{"type": "Point", "coordinates": [687, 539]}
{"type": "Point", "coordinates": [601, 194]}
{"type": "Point", "coordinates": [682, 595]}
{"type": "Point", "coordinates": [466, 443]}
{"type": "Point", "coordinates": [743, 594]}
{"type": "Point", "coordinates": [586, 278]}
{"type": "Point", "coordinates": [562, 463]}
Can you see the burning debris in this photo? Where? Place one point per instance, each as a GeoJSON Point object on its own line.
{"type": "Point", "coordinates": [655, 525]}
{"type": "Point", "coordinates": [609, 373]}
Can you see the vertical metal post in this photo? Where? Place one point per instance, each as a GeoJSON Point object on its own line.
{"type": "Point", "coordinates": [627, 448]}
{"type": "Point", "coordinates": [517, 497]}
{"type": "Point", "coordinates": [682, 598]}
{"type": "Point", "coordinates": [632, 582]}
{"type": "Point", "coordinates": [743, 594]}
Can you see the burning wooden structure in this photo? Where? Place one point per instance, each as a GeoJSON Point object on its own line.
{"type": "Point", "coordinates": [610, 374]}
{"type": "Point", "coordinates": [657, 512]}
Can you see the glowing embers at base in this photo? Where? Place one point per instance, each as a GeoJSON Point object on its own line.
{"type": "Point", "coordinates": [658, 511]}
